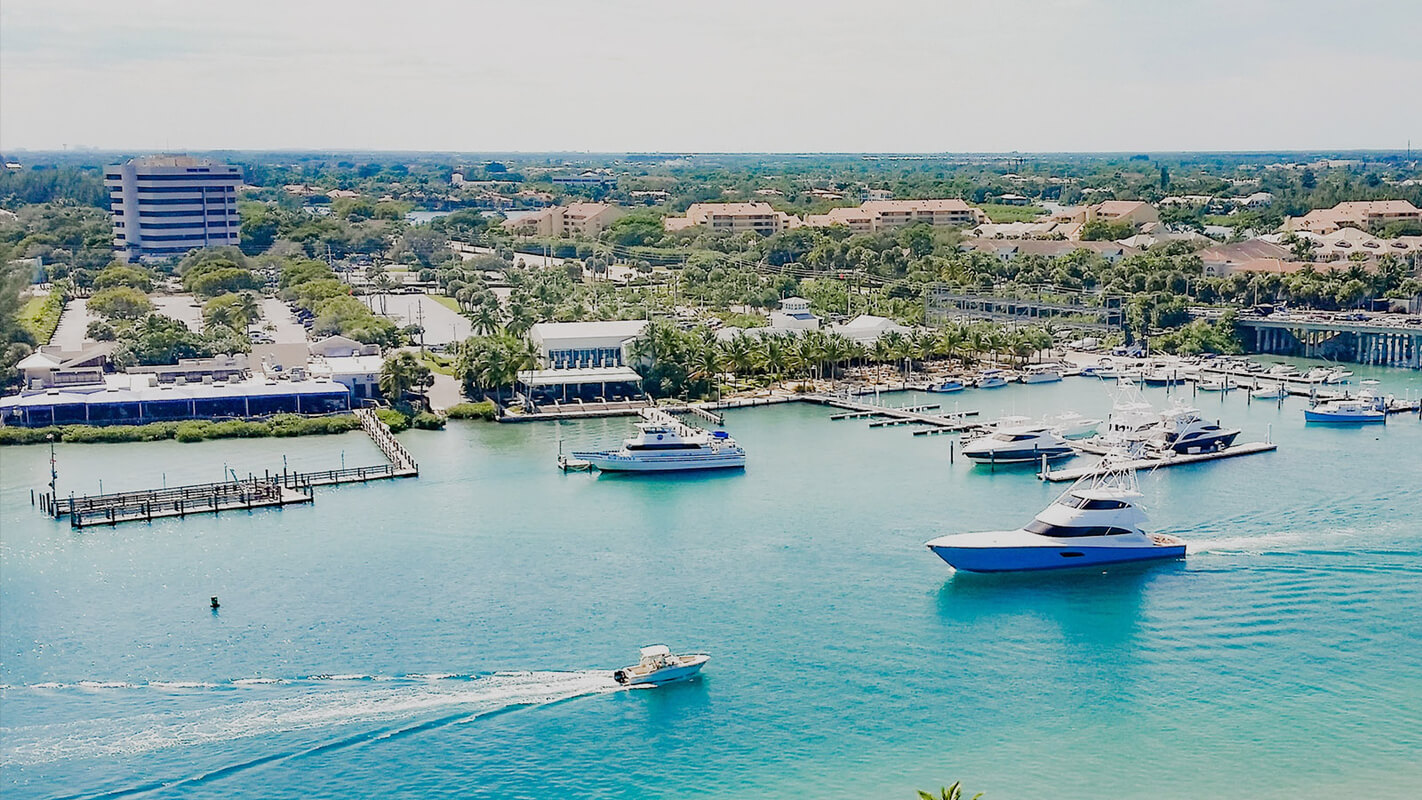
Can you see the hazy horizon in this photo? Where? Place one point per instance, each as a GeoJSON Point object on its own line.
{"type": "Point", "coordinates": [734, 78]}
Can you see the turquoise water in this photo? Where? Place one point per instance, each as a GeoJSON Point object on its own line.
{"type": "Point", "coordinates": [438, 636]}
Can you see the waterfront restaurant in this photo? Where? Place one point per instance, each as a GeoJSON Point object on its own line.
{"type": "Point", "coordinates": [592, 384]}
{"type": "Point", "coordinates": [167, 402]}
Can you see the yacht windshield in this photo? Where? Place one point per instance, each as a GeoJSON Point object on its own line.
{"type": "Point", "coordinates": [1064, 531]}
{"type": "Point", "coordinates": [1072, 501]}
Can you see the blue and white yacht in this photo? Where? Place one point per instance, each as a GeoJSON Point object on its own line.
{"type": "Point", "coordinates": [947, 386]}
{"type": "Point", "coordinates": [1181, 429]}
{"type": "Point", "coordinates": [664, 444]}
{"type": "Point", "coordinates": [1097, 521]}
{"type": "Point", "coordinates": [1361, 410]}
{"type": "Point", "coordinates": [991, 379]}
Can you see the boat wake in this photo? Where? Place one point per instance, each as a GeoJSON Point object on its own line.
{"type": "Point", "coordinates": [1278, 541]}
{"type": "Point", "coordinates": [396, 705]}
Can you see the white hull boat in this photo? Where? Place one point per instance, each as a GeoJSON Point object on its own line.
{"type": "Point", "coordinates": [664, 444]}
{"type": "Point", "coordinates": [659, 665]}
{"type": "Point", "coordinates": [1095, 522]}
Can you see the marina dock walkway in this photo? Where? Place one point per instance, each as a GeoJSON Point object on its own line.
{"type": "Point", "coordinates": [1171, 459]}
{"type": "Point", "coordinates": [911, 415]}
{"type": "Point", "coordinates": [269, 490]}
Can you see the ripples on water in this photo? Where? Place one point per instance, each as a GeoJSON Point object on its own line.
{"type": "Point", "coordinates": [1279, 658]}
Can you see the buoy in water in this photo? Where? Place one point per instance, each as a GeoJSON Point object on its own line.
{"type": "Point", "coordinates": [215, 604]}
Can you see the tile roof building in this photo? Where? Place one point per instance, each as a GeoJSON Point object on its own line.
{"type": "Point", "coordinates": [877, 215]}
{"type": "Point", "coordinates": [734, 218]}
{"type": "Point", "coordinates": [1359, 214]}
{"type": "Point", "coordinates": [574, 219]}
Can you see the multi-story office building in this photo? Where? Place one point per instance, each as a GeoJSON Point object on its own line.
{"type": "Point", "coordinates": [164, 206]}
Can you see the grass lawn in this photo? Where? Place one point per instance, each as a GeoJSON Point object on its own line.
{"type": "Point", "coordinates": [446, 301]}
{"type": "Point", "coordinates": [444, 366]}
{"type": "Point", "coordinates": [1001, 213]}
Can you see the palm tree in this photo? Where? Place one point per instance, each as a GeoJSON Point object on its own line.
{"type": "Point", "coordinates": [247, 309]}
{"type": "Point", "coordinates": [485, 319]}
{"type": "Point", "coordinates": [740, 354]}
{"type": "Point", "coordinates": [402, 373]}
{"type": "Point", "coordinates": [773, 357]}
{"type": "Point", "coordinates": [881, 353]}
{"type": "Point", "coordinates": [954, 792]}
{"type": "Point", "coordinates": [706, 364]}
{"type": "Point", "coordinates": [951, 341]}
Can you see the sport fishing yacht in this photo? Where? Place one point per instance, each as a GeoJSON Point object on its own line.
{"type": "Point", "coordinates": [1018, 444]}
{"type": "Point", "coordinates": [664, 444]}
{"type": "Point", "coordinates": [659, 665]}
{"type": "Point", "coordinates": [1095, 522]}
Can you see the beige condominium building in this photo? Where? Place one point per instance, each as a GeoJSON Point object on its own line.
{"type": "Point", "coordinates": [1363, 214]}
{"type": "Point", "coordinates": [1133, 212]}
{"type": "Point", "coordinates": [575, 219]}
{"type": "Point", "coordinates": [734, 218]}
{"type": "Point", "coordinates": [876, 215]}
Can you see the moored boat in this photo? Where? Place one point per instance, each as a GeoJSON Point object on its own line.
{"type": "Point", "coordinates": [658, 665]}
{"type": "Point", "coordinates": [946, 386]}
{"type": "Point", "coordinates": [1018, 444]}
{"type": "Point", "coordinates": [1276, 392]}
{"type": "Point", "coordinates": [1041, 373]}
{"type": "Point", "coordinates": [664, 444]}
{"type": "Point", "coordinates": [991, 379]}
{"type": "Point", "coordinates": [1360, 410]}
{"type": "Point", "coordinates": [1097, 521]}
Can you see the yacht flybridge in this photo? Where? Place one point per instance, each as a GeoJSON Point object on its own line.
{"type": "Point", "coordinates": [664, 444]}
{"type": "Point", "coordinates": [1097, 521]}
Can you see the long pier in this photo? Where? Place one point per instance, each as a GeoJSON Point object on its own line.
{"type": "Point", "coordinates": [1172, 459]}
{"type": "Point", "coordinates": [269, 490]}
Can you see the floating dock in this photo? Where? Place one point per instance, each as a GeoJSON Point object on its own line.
{"type": "Point", "coordinates": [1158, 462]}
{"type": "Point", "coordinates": [910, 415]}
{"type": "Point", "coordinates": [270, 490]}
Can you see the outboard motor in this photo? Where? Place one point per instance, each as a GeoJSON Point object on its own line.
{"type": "Point", "coordinates": [620, 676]}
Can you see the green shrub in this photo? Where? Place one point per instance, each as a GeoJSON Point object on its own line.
{"type": "Point", "coordinates": [480, 410]}
{"type": "Point", "coordinates": [398, 422]}
{"type": "Point", "coordinates": [192, 431]}
{"type": "Point", "coordinates": [13, 435]}
{"type": "Point", "coordinates": [426, 421]}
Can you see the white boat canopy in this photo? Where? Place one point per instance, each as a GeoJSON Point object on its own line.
{"type": "Point", "coordinates": [573, 377]}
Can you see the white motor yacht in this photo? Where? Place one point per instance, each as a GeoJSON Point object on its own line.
{"type": "Point", "coordinates": [1071, 425]}
{"type": "Point", "coordinates": [1097, 521]}
{"type": "Point", "coordinates": [991, 379]}
{"type": "Point", "coordinates": [1275, 392]}
{"type": "Point", "coordinates": [1041, 373]}
{"type": "Point", "coordinates": [664, 444]}
{"type": "Point", "coordinates": [659, 665]}
{"type": "Point", "coordinates": [1181, 429]}
{"type": "Point", "coordinates": [1018, 444]}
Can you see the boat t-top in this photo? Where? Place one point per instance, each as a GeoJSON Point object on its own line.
{"type": "Point", "coordinates": [659, 665]}
{"type": "Point", "coordinates": [1097, 521]}
{"type": "Point", "coordinates": [663, 444]}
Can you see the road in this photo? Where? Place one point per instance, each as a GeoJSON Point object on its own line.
{"type": "Point", "coordinates": [286, 330]}
{"type": "Point", "coordinates": [442, 325]}
{"type": "Point", "coordinates": [72, 325]}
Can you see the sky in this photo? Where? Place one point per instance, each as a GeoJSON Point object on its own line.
{"type": "Point", "coordinates": [711, 76]}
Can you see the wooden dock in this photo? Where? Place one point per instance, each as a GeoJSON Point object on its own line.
{"type": "Point", "coordinates": [893, 416]}
{"type": "Point", "coordinates": [1173, 459]}
{"type": "Point", "coordinates": [269, 490]}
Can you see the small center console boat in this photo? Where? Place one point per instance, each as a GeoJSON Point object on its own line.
{"type": "Point", "coordinates": [659, 665]}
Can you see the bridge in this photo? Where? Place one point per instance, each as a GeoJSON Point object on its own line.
{"type": "Point", "coordinates": [1338, 340]}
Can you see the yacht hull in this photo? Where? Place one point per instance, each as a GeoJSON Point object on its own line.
{"type": "Point", "coordinates": [1344, 418]}
{"type": "Point", "coordinates": [615, 462]}
{"type": "Point", "coordinates": [661, 676]}
{"type": "Point", "coordinates": [1021, 456]}
{"type": "Point", "coordinates": [1045, 377]}
{"type": "Point", "coordinates": [1031, 559]}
